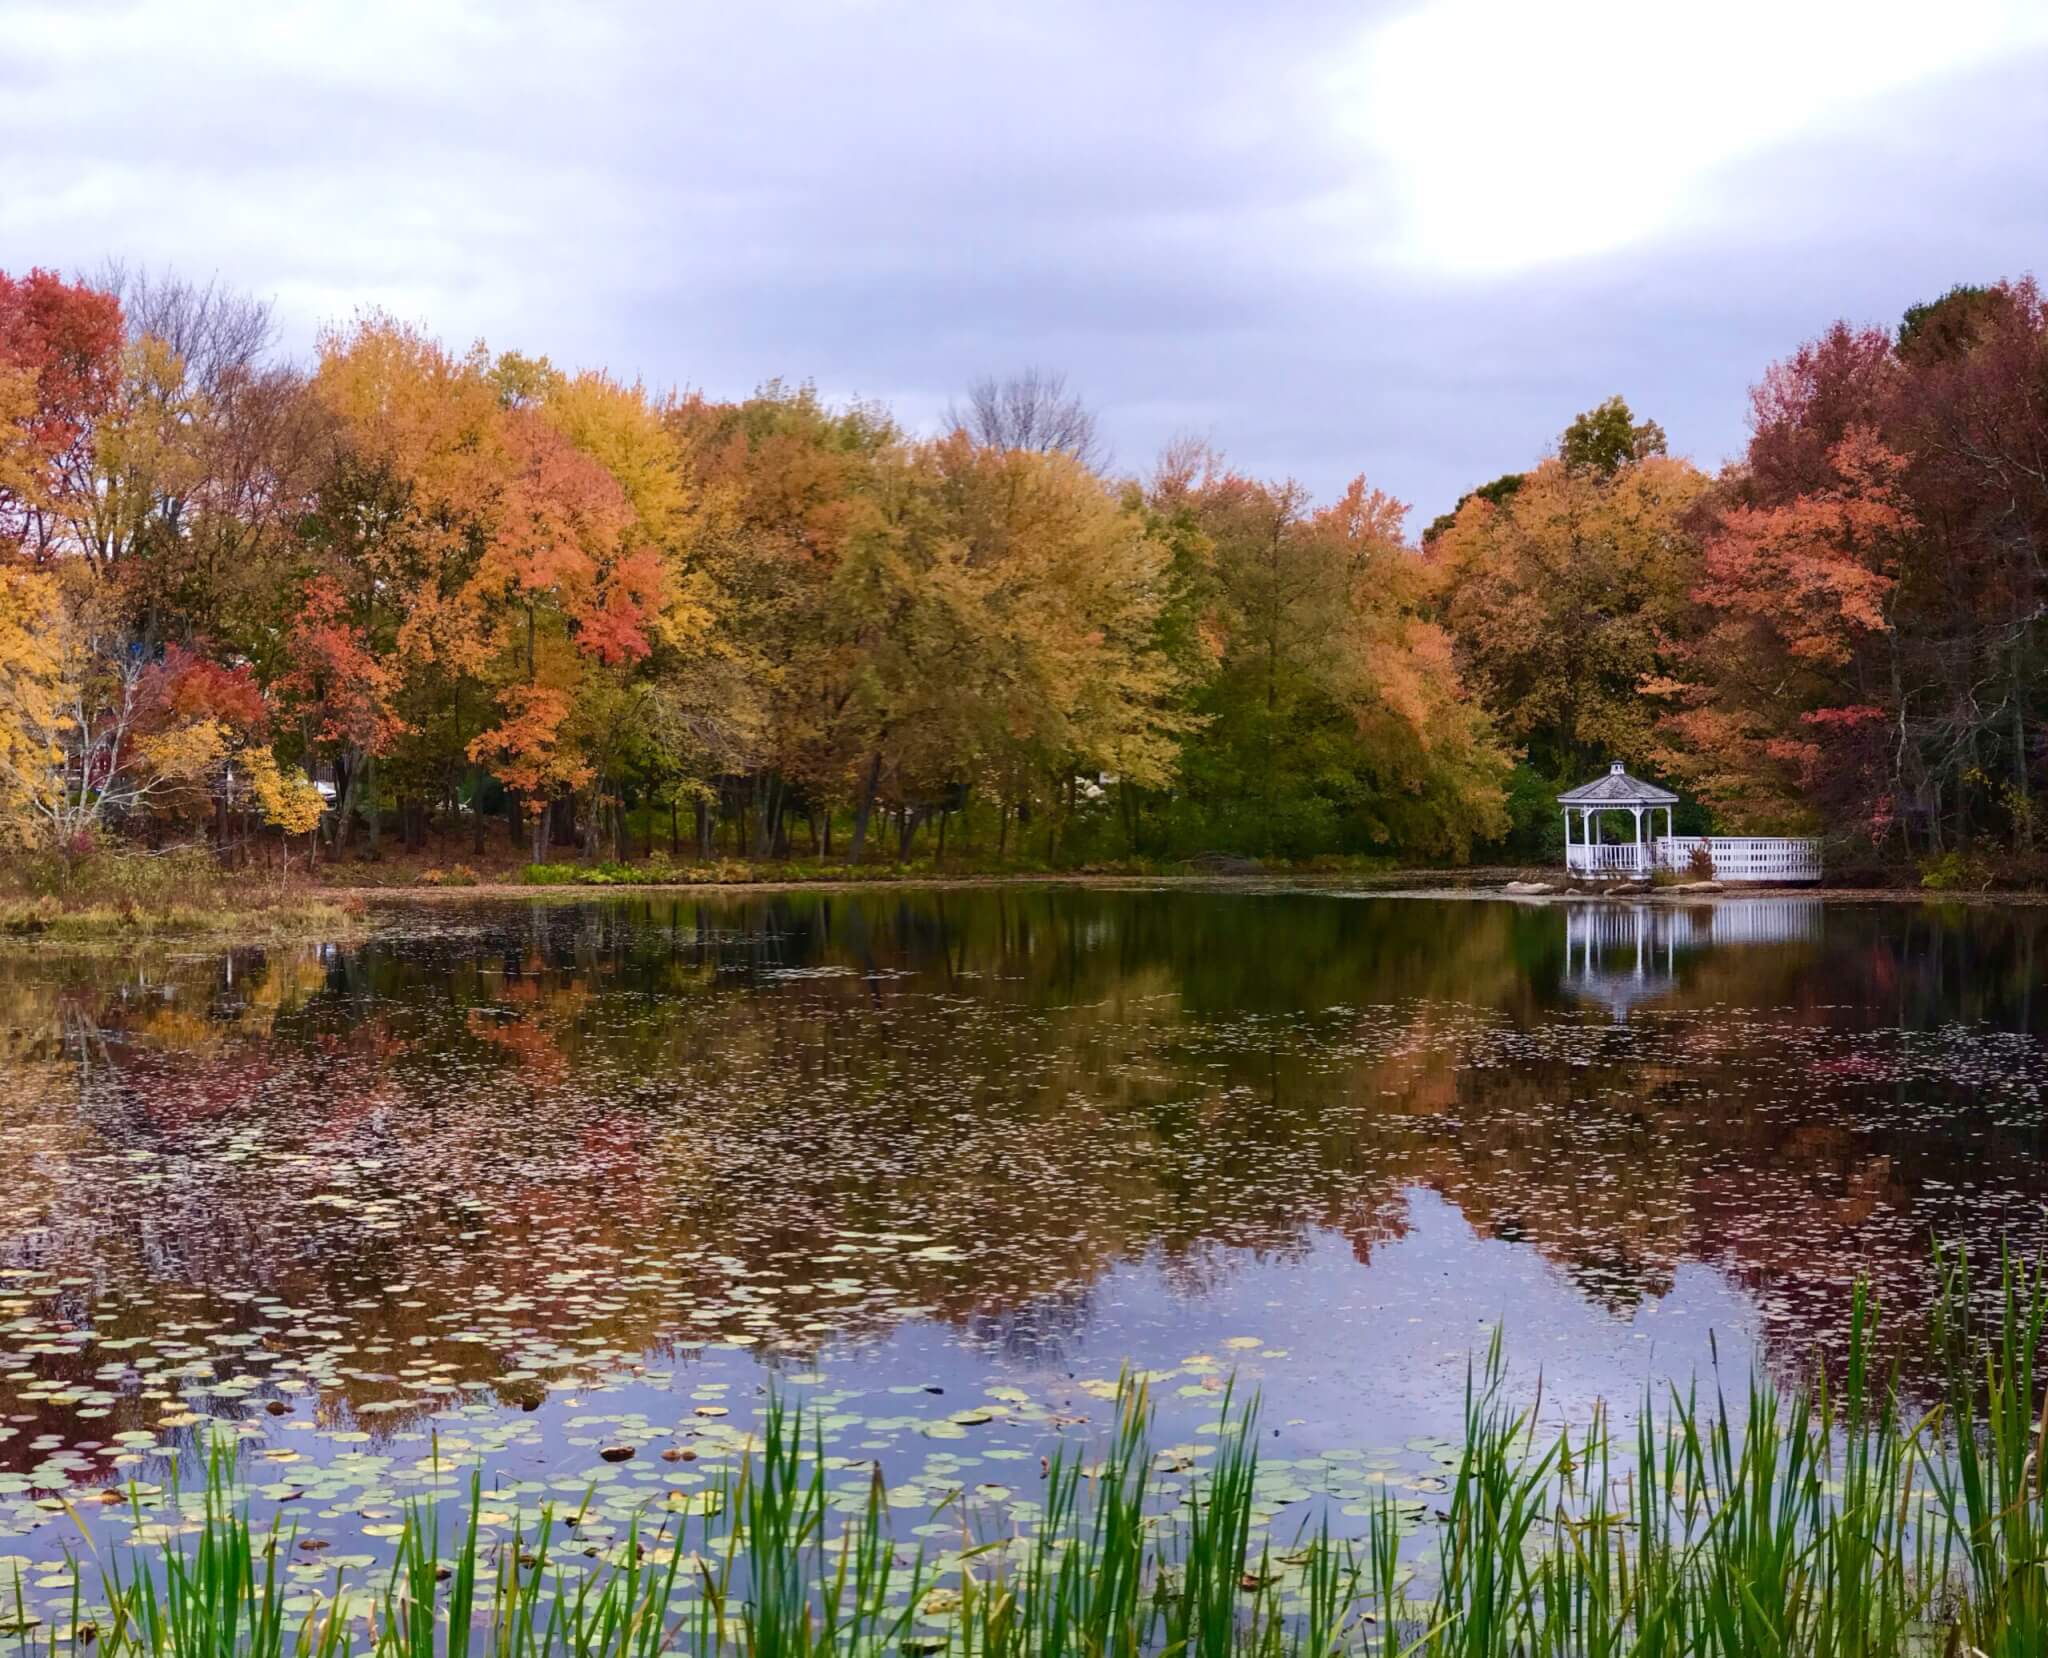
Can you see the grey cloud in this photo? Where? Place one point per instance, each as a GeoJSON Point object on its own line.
{"type": "Point", "coordinates": [889, 199]}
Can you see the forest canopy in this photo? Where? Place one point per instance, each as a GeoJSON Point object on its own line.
{"type": "Point", "coordinates": [405, 589]}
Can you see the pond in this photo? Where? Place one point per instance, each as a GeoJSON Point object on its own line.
{"type": "Point", "coordinates": [564, 1191]}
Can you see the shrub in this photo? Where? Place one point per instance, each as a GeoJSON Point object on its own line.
{"type": "Point", "coordinates": [1955, 872]}
{"type": "Point", "coordinates": [581, 875]}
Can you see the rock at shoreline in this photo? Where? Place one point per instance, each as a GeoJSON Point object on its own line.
{"type": "Point", "coordinates": [1223, 863]}
{"type": "Point", "coordinates": [1526, 889]}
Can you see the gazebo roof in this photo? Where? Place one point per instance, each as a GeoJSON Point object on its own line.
{"type": "Point", "coordinates": [1617, 788]}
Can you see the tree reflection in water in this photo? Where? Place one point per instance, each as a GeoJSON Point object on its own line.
{"type": "Point", "coordinates": [496, 1140]}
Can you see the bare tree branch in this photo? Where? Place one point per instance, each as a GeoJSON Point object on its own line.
{"type": "Point", "coordinates": [1031, 410]}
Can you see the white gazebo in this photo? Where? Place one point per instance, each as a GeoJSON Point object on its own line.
{"type": "Point", "coordinates": [1731, 857]}
{"type": "Point", "coordinates": [1616, 792]}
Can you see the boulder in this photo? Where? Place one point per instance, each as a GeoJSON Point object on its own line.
{"type": "Point", "coordinates": [1525, 889]}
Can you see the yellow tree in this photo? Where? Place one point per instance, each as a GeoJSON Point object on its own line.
{"type": "Point", "coordinates": [33, 726]}
{"type": "Point", "coordinates": [1563, 598]}
{"type": "Point", "coordinates": [1436, 766]}
{"type": "Point", "coordinates": [1066, 581]}
{"type": "Point", "coordinates": [781, 486]}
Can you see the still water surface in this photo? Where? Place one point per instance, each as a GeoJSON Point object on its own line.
{"type": "Point", "coordinates": [510, 1184]}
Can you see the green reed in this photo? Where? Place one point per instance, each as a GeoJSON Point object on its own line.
{"type": "Point", "coordinates": [1824, 1522]}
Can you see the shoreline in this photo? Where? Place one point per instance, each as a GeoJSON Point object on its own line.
{"type": "Point", "coordinates": [1414, 884]}
{"type": "Point", "coordinates": [334, 912]}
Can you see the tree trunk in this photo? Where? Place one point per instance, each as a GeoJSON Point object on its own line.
{"type": "Point", "coordinates": [763, 803]}
{"type": "Point", "coordinates": [675, 839]}
{"type": "Point", "coordinates": [345, 807]}
{"type": "Point", "coordinates": [2025, 813]}
{"type": "Point", "coordinates": [865, 808]}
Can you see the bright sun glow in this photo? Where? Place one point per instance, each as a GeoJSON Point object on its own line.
{"type": "Point", "coordinates": [1520, 133]}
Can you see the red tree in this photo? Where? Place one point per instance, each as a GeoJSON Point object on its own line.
{"type": "Point", "coordinates": [65, 337]}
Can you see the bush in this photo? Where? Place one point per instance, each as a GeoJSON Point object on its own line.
{"type": "Point", "coordinates": [1956, 872]}
{"type": "Point", "coordinates": [582, 875]}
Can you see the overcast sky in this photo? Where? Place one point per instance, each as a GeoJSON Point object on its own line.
{"type": "Point", "coordinates": [1405, 239]}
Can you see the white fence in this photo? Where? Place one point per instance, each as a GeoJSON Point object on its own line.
{"type": "Point", "coordinates": [1735, 857]}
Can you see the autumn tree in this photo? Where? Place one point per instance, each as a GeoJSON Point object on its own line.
{"type": "Point", "coordinates": [60, 353]}
{"type": "Point", "coordinates": [1334, 706]}
{"type": "Point", "coordinates": [109, 473]}
{"type": "Point", "coordinates": [1870, 655]}
{"type": "Point", "coordinates": [780, 482]}
{"type": "Point", "coordinates": [1778, 726]}
{"type": "Point", "coordinates": [569, 595]}
{"type": "Point", "coordinates": [395, 541]}
{"type": "Point", "coordinates": [1051, 586]}
{"type": "Point", "coordinates": [217, 455]}
{"type": "Point", "coordinates": [1565, 595]}
{"type": "Point", "coordinates": [33, 733]}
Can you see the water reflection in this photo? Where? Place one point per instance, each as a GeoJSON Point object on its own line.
{"type": "Point", "coordinates": [1622, 955]}
{"type": "Point", "coordinates": [500, 1146]}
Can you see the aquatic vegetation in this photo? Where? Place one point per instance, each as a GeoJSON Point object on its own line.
{"type": "Point", "coordinates": [1824, 1522]}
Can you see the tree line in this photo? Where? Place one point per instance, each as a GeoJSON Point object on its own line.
{"type": "Point", "coordinates": [404, 591]}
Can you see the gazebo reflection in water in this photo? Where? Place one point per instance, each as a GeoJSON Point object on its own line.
{"type": "Point", "coordinates": [1620, 956]}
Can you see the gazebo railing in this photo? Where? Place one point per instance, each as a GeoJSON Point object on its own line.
{"type": "Point", "coordinates": [1608, 858]}
{"type": "Point", "coordinates": [1734, 857]}
{"type": "Point", "coordinates": [1745, 857]}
